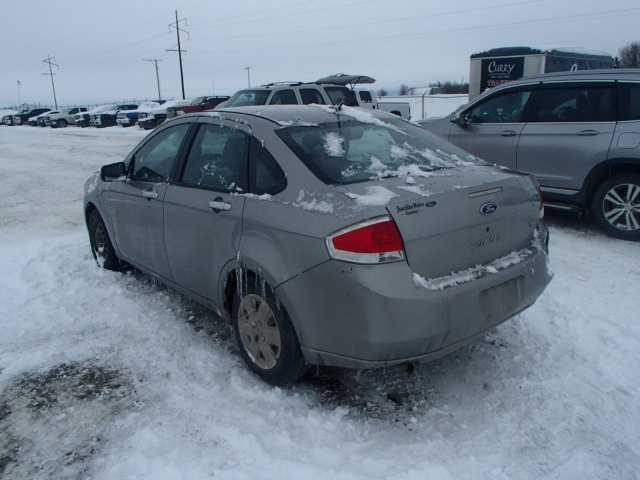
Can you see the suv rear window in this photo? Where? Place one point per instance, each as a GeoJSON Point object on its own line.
{"type": "Point", "coordinates": [284, 97]}
{"type": "Point", "coordinates": [341, 94]}
{"type": "Point", "coordinates": [350, 151]}
{"type": "Point", "coordinates": [574, 104]}
{"type": "Point", "coordinates": [365, 96]}
{"type": "Point", "coordinates": [629, 102]}
{"type": "Point", "coordinates": [248, 97]}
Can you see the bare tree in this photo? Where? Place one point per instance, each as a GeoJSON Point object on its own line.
{"type": "Point", "coordinates": [630, 55]}
{"type": "Point", "coordinates": [404, 90]}
{"type": "Point", "coordinates": [382, 92]}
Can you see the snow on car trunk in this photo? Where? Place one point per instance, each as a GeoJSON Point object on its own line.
{"type": "Point", "coordinates": [448, 226]}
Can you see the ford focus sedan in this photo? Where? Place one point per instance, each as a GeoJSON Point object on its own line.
{"type": "Point", "coordinates": [325, 235]}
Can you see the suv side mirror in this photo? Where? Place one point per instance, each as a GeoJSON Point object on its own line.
{"type": "Point", "coordinates": [113, 171]}
{"type": "Point", "coordinates": [462, 119]}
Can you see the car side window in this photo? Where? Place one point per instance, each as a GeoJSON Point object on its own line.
{"type": "Point", "coordinates": [218, 159]}
{"type": "Point", "coordinates": [73, 111]}
{"type": "Point", "coordinates": [284, 97]}
{"type": "Point", "coordinates": [267, 176]}
{"type": "Point", "coordinates": [507, 107]}
{"type": "Point", "coordinates": [629, 102]}
{"type": "Point", "coordinates": [155, 160]}
{"type": "Point", "coordinates": [311, 95]}
{"type": "Point", "coordinates": [574, 104]}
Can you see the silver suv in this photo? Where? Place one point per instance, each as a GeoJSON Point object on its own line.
{"type": "Point", "coordinates": [577, 132]}
{"type": "Point", "coordinates": [64, 117]}
{"type": "Point", "coordinates": [293, 93]}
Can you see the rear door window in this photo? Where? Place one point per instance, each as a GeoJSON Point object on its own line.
{"type": "Point", "coordinates": [217, 160]}
{"type": "Point", "coordinates": [574, 104]}
{"type": "Point", "coordinates": [155, 160]}
{"type": "Point", "coordinates": [507, 107]}
{"type": "Point", "coordinates": [311, 95]}
{"type": "Point", "coordinates": [266, 175]}
{"type": "Point", "coordinates": [629, 101]}
{"type": "Point", "coordinates": [284, 97]}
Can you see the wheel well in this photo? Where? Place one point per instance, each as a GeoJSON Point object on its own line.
{"type": "Point", "coordinates": [88, 210]}
{"type": "Point", "coordinates": [248, 277]}
{"type": "Point", "coordinates": [606, 170]}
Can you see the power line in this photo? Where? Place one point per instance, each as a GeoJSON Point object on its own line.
{"type": "Point", "coordinates": [155, 63]}
{"type": "Point", "coordinates": [572, 17]}
{"type": "Point", "coordinates": [50, 61]}
{"type": "Point", "coordinates": [178, 27]}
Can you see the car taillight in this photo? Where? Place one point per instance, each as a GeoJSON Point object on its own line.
{"type": "Point", "coordinates": [374, 241]}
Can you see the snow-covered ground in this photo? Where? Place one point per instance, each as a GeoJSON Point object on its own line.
{"type": "Point", "coordinates": [107, 375]}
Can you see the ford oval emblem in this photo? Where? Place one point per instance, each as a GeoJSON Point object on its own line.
{"type": "Point", "coordinates": [488, 208]}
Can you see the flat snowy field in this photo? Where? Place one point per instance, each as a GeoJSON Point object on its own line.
{"type": "Point", "coordinates": [108, 375]}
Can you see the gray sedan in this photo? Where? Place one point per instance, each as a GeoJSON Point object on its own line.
{"type": "Point", "coordinates": [325, 235]}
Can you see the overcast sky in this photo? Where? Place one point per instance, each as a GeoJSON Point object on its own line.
{"type": "Point", "coordinates": [100, 44]}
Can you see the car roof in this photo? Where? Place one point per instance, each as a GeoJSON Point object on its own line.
{"type": "Point", "coordinates": [582, 75]}
{"type": "Point", "coordinates": [287, 113]}
{"type": "Point", "coordinates": [272, 86]}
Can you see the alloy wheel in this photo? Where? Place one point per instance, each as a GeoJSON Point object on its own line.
{"type": "Point", "coordinates": [621, 207]}
{"type": "Point", "coordinates": [259, 331]}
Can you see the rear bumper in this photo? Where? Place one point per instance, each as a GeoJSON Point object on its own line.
{"type": "Point", "coordinates": [359, 316]}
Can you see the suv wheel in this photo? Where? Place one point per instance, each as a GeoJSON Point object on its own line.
{"type": "Point", "coordinates": [268, 343]}
{"type": "Point", "coordinates": [616, 206]}
{"type": "Point", "coordinates": [61, 123]}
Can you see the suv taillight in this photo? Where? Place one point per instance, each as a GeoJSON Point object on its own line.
{"type": "Point", "coordinates": [374, 241]}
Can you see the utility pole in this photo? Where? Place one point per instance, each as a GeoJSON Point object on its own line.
{"type": "Point", "coordinates": [155, 63]}
{"type": "Point", "coordinates": [248, 69]}
{"type": "Point", "coordinates": [177, 25]}
{"type": "Point", "coordinates": [19, 85]}
{"type": "Point", "coordinates": [50, 61]}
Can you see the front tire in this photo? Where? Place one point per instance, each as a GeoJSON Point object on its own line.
{"type": "Point", "coordinates": [61, 123]}
{"type": "Point", "coordinates": [101, 246]}
{"type": "Point", "coordinates": [266, 338]}
{"type": "Point", "coordinates": [616, 206]}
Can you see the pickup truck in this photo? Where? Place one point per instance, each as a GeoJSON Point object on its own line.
{"type": "Point", "coordinates": [108, 118]}
{"type": "Point", "coordinates": [198, 104]}
{"type": "Point", "coordinates": [128, 118]}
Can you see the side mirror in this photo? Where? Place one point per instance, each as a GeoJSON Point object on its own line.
{"type": "Point", "coordinates": [462, 119]}
{"type": "Point", "coordinates": [113, 171]}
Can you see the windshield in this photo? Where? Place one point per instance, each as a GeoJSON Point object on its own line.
{"type": "Point", "coordinates": [248, 97]}
{"type": "Point", "coordinates": [351, 151]}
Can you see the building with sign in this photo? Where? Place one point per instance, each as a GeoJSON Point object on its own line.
{"type": "Point", "coordinates": [499, 65]}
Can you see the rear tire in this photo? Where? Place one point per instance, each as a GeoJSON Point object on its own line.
{"type": "Point", "coordinates": [101, 246]}
{"type": "Point", "coordinates": [61, 123]}
{"type": "Point", "coordinates": [616, 206]}
{"type": "Point", "coordinates": [266, 338]}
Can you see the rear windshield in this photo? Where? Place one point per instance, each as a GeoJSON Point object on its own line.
{"type": "Point", "coordinates": [248, 97]}
{"type": "Point", "coordinates": [341, 94]}
{"type": "Point", "coordinates": [352, 151]}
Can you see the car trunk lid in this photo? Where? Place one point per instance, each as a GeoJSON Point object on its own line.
{"type": "Point", "coordinates": [456, 219]}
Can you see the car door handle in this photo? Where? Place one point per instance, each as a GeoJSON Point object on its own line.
{"type": "Point", "coordinates": [509, 133]}
{"type": "Point", "coordinates": [219, 205]}
{"type": "Point", "coordinates": [588, 133]}
{"type": "Point", "coordinates": [150, 194]}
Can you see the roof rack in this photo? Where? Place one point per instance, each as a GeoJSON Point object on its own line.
{"type": "Point", "coordinates": [287, 82]}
